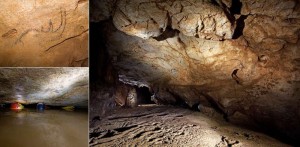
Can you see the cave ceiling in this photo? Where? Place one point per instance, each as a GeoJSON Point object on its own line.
{"type": "Point", "coordinates": [243, 56]}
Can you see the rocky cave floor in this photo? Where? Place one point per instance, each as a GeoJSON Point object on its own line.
{"type": "Point", "coordinates": [156, 125]}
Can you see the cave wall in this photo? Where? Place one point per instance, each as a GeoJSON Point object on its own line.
{"type": "Point", "coordinates": [239, 56]}
{"type": "Point", "coordinates": [44, 33]}
{"type": "Point", "coordinates": [52, 86]}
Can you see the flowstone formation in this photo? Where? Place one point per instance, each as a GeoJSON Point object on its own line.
{"type": "Point", "coordinates": [44, 33]}
{"type": "Point", "coordinates": [240, 57]}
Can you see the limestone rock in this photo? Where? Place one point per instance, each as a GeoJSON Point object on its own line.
{"type": "Point", "coordinates": [163, 97]}
{"type": "Point", "coordinates": [44, 33]}
{"type": "Point", "coordinates": [121, 95]}
{"type": "Point", "coordinates": [147, 19]}
{"type": "Point", "coordinates": [102, 101]}
{"type": "Point", "coordinates": [273, 37]}
{"type": "Point", "coordinates": [272, 8]}
{"type": "Point", "coordinates": [52, 86]}
{"type": "Point", "coordinates": [143, 18]}
{"type": "Point", "coordinates": [201, 19]}
{"type": "Point", "coordinates": [255, 73]}
{"type": "Point", "coordinates": [131, 99]}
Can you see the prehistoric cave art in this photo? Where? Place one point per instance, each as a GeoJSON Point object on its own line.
{"type": "Point", "coordinates": [57, 33]}
{"type": "Point", "coordinates": [237, 62]}
{"type": "Point", "coordinates": [44, 33]}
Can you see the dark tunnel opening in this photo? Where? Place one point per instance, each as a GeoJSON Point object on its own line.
{"type": "Point", "coordinates": [240, 22]}
{"type": "Point", "coordinates": [236, 7]}
{"type": "Point", "coordinates": [144, 95]}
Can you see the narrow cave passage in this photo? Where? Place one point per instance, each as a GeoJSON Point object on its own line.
{"type": "Point", "coordinates": [144, 96]}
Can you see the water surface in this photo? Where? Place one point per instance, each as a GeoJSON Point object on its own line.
{"type": "Point", "coordinates": [51, 128]}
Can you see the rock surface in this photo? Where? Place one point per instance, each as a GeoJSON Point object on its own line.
{"type": "Point", "coordinates": [44, 33]}
{"type": "Point", "coordinates": [147, 19]}
{"type": "Point", "coordinates": [52, 86]}
{"type": "Point", "coordinates": [240, 57]}
{"type": "Point", "coordinates": [170, 126]}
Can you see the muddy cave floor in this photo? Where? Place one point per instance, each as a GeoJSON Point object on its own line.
{"type": "Point", "coordinates": [156, 125]}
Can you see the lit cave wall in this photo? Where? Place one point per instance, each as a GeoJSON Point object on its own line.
{"type": "Point", "coordinates": [241, 58]}
{"type": "Point", "coordinates": [51, 86]}
{"type": "Point", "coordinates": [44, 33]}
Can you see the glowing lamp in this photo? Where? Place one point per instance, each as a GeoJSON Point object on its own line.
{"type": "Point", "coordinates": [16, 106]}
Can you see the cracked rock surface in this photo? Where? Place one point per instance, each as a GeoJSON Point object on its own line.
{"type": "Point", "coordinates": [52, 86]}
{"type": "Point", "coordinates": [152, 125]}
{"type": "Point", "coordinates": [147, 19]}
{"type": "Point", "coordinates": [44, 33]}
{"type": "Point", "coordinates": [240, 57]}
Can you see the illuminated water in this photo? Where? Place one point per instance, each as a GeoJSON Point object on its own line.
{"type": "Point", "coordinates": [52, 128]}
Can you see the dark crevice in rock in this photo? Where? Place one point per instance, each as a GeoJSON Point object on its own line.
{"type": "Point", "coordinates": [236, 7]}
{"type": "Point", "coordinates": [133, 116]}
{"type": "Point", "coordinates": [195, 107]}
{"type": "Point", "coordinates": [214, 2]}
{"type": "Point", "coordinates": [240, 25]}
{"type": "Point", "coordinates": [168, 33]}
{"type": "Point", "coordinates": [181, 42]}
{"type": "Point", "coordinates": [144, 95]}
{"type": "Point", "coordinates": [96, 118]}
{"type": "Point", "coordinates": [197, 29]}
{"type": "Point", "coordinates": [109, 133]}
{"type": "Point", "coordinates": [139, 134]}
{"type": "Point", "coordinates": [215, 105]}
{"type": "Point", "coordinates": [179, 100]}
{"type": "Point", "coordinates": [234, 76]}
{"type": "Point", "coordinates": [169, 21]}
{"type": "Point", "coordinates": [263, 59]}
{"type": "Point", "coordinates": [226, 10]}
{"type": "Point", "coordinates": [122, 129]}
{"type": "Point", "coordinates": [99, 56]}
{"type": "Point", "coordinates": [96, 134]}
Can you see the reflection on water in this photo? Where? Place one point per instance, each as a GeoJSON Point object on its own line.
{"type": "Point", "coordinates": [51, 128]}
